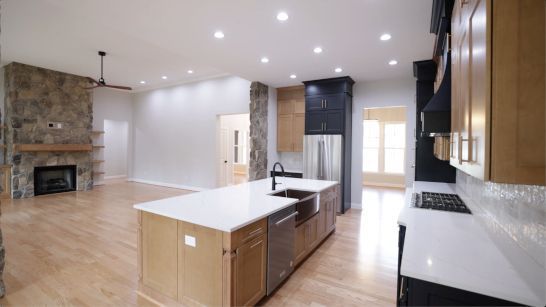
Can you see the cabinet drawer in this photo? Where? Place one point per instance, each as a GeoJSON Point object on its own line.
{"type": "Point", "coordinates": [314, 103]}
{"type": "Point", "coordinates": [248, 233]}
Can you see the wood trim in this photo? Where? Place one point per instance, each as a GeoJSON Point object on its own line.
{"type": "Point", "coordinates": [98, 146]}
{"type": "Point", "coordinates": [5, 169]}
{"type": "Point", "coordinates": [97, 132]}
{"type": "Point", "coordinates": [52, 147]}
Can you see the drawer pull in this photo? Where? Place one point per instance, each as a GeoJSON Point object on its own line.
{"type": "Point", "coordinates": [250, 234]}
{"type": "Point", "coordinates": [256, 244]}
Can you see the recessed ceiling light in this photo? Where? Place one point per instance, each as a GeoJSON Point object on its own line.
{"type": "Point", "coordinates": [292, 76]}
{"type": "Point", "coordinates": [282, 16]}
{"type": "Point", "coordinates": [164, 77]}
{"type": "Point", "coordinates": [317, 50]}
{"type": "Point", "coordinates": [393, 62]}
{"type": "Point", "coordinates": [385, 37]}
{"type": "Point", "coordinates": [142, 82]}
{"type": "Point", "coordinates": [190, 71]}
{"type": "Point", "coordinates": [338, 69]}
{"type": "Point", "coordinates": [264, 60]}
{"type": "Point", "coordinates": [219, 34]}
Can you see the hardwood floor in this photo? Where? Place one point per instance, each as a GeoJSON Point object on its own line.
{"type": "Point", "coordinates": [80, 249]}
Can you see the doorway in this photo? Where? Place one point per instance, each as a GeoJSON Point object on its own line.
{"type": "Point", "coordinates": [233, 148]}
{"type": "Point", "coordinates": [116, 137]}
{"type": "Point", "coordinates": [384, 147]}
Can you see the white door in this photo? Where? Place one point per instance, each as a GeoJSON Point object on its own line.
{"type": "Point", "coordinates": [226, 163]}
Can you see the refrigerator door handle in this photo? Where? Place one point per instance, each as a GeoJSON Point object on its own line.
{"type": "Point", "coordinates": [320, 158]}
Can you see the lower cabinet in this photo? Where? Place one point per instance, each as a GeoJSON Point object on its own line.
{"type": "Point", "coordinates": [186, 264]}
{"type": "Point", "coordinates": [424, 293]}
{"type": "Point", "coordinates": [250, 272]}
{"type": "Point", "coordinates": [313, 231]}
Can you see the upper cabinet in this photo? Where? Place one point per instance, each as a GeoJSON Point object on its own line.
{"type": "Point", "coordinates": [328, 106]}
{"type": "Point", "coordinates": [498, 90]}
{"type": "Point", "coordinates": [290, 118]}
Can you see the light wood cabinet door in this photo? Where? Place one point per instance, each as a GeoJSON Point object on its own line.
{"type": "Point", "coordinates": [322, 217]}
{"type": "Point", "coordinates": [299, 105]}
{"type": "Point", "coordinates": [285, 132]}
{"type": "Point", "coordinates": [285, 107]}
{"type": "Point", "coordinates": [251, 272]}
{"type": "Point", "coordinates": [518, 96]}
{"type": "Point", "coordinates": [159, 253]}
{"type": "Point", "coordinates": [331, 214]}
{"type": "Point", "coordinates": [300, 240]}
{"type": "Point", "coordinates": [298, 132]}
{"type": "Point", "coordinates": [470, 89]}
{"type": "Point", "coordinates": [312, 233]}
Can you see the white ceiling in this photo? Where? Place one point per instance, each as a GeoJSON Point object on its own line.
{"type": "Point", "coordinates": [146, 39]}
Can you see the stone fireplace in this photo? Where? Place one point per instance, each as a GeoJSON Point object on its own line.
{"type": "Point", "coordinates": [46, 107]}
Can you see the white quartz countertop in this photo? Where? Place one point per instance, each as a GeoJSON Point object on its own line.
{"type": "Point", "coordinates": [460, 251]}
{"type": "Point", "coordinates": [230, 208]}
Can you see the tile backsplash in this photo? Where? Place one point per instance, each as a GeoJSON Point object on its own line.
{"type": "Point", "coordinates": [520, 210]}
{"type": "Point", "coordinates": [292, 161]}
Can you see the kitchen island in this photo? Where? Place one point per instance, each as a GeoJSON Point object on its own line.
{"type": "Point", "coordinates": [211, 247]}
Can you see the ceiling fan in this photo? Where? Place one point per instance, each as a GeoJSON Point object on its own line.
{"type": "Point", "coordinates": [101, 82]}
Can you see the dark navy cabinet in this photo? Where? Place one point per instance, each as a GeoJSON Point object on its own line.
{"type": "Point", "coordinates": [328, 110]}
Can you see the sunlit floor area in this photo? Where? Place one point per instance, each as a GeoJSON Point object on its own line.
{"type": "Point", "coordinates": [80, 249]}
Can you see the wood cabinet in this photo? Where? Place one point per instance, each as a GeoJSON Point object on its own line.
{"type": "Point", "coordinates": [250, 271]}
{"type": "Point", "coordinates": [188, 264]}
{"type": "Point", "coordinates": [498, 90]}
{"type": "Point", "coordinates": [290, 118]}
{"type": "Point", "coordinates": [326, 114]}
{"type": "Point", "coordinates": [310, 233]}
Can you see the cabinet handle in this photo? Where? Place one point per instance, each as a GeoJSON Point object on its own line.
{"type": "Point", "coordinates": [325, 126]}
{"type": "Point", "coordinates": [256, 244]}
{"type": "Point", "coordinates": [326, 103]}
{"type": "Point", "coordinates": [322, 103]}
{"type": "Point", "coordinates": [250, 234]}
{"type": "Point", "coordinates": [461, 160]}
{"type": "Point", "coordinates": [401, 295]}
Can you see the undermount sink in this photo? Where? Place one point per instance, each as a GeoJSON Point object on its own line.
{"type": "Point", "coordinates": [293, 194]}
{"type": "Point", "coordinates": [307, 205]}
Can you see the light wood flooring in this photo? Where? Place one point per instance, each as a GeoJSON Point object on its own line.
{"type": "Point", "coordinates": [80, 249]}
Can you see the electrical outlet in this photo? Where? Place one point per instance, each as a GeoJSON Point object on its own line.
{"type": "Point", "coordinates": [190, 241]}
{"type": "Point", "coordinates": [54, 125]}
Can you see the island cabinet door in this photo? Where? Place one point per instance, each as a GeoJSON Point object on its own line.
{"type": "Point", "coordinates": [250, 272]}
{"type": "Point", "coordinates": [300, 240]}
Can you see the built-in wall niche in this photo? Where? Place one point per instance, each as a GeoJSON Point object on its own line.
{"type": "Point", "coordinates": [54, 179]}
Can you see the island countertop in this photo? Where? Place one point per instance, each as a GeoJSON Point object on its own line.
{"type": "Point", "coordinates": [233, 207]}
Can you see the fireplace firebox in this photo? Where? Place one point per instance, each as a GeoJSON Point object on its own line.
{"type": "Point", "coordinates": [54, 179]}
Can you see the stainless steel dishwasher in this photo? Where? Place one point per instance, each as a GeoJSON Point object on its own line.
{"type": "Point", "coordinates": [280, 253]}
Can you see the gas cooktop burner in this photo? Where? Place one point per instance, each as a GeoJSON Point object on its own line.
{"type": "Point", "coordinates": [439, 201]}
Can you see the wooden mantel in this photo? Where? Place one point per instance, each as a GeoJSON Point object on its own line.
{"type": "Point", "coordinates": [52, 147]}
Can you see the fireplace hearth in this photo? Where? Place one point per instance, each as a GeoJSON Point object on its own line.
{"type": "Point", "coordinates": [54, 179]}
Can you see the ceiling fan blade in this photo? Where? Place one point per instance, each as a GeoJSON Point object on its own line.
{"type": "Point", "coordinates": [126, 88]}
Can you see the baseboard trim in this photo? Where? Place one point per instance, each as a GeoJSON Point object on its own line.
{"type": "Point", "coordinates": [168, 185]}
{"type": "Point", "coordinates": [115, 177]}
{"type": "Point", "coordinates": [356, 206]}
{"type": "Point", "coordinates": [387, 185]}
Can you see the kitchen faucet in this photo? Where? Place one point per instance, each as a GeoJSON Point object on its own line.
{"type": "Point", "coordinates": [273, 183]}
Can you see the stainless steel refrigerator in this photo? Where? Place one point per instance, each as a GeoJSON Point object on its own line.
{"type": "Point", "coordinates": [323, 159]}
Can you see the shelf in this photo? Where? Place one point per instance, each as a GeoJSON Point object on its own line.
{"type": "Point", "coordinates": [98, 146]}
{"type": "Point", "coordinates": [97, 132]}
{"type": "Point", "coordinates": [97, 161]}
{"type": "Point", "coordinates": [52, 147]}
{"type": "Point", "coordinates": [98, 173]}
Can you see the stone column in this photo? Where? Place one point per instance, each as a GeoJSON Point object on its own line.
{"type": "Point", "coordinates": [258, 131]}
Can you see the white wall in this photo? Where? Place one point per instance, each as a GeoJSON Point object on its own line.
{"type": "Point", "coordinates": [116, 138]}
{"type": "Point", "coordinates": [387, 93]}
{"type": "Point", "coordinates": [175, 138]}
{"type": "Point", "coordinates": [115, 105]}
